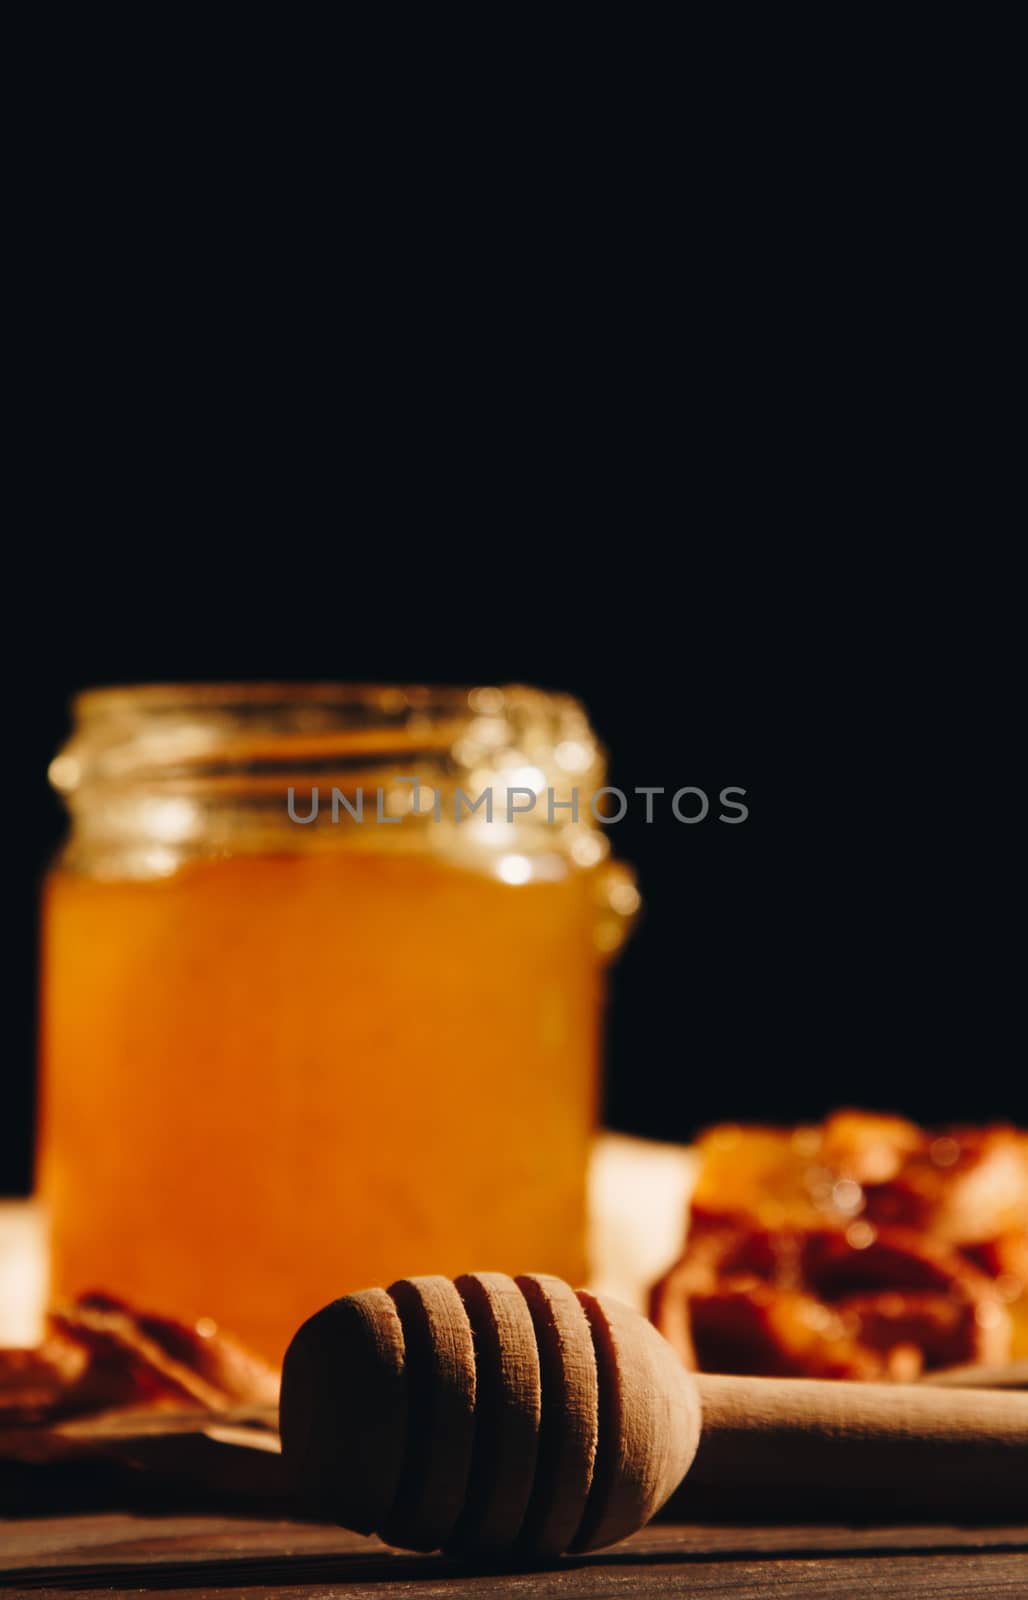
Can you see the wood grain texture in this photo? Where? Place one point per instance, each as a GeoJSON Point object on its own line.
{"type": "Point", "coordinates": [507, 1414]}
{"type": "Point", "coordinates": [649, 1423]}
{"type": "Point", "coordinates": [570, 1406]}
{"type": "Point", "coordinates": [937, 1448]}
{"type": "Point", "coordinates": [218, 1558]}
{"type": "Point", "coordinates": [440, 1361]}
{"type": "Point", "coordinates": [344, 1377]}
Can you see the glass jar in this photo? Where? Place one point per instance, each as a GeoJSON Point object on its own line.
{"type": "Point", "coordinates": [309, 1024]}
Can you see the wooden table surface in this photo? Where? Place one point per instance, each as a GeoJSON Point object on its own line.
{"type": "Point", "coordinates": [224, 1556]}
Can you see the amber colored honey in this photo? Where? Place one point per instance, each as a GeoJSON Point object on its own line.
{"type": "Point", "coordinates": [270, 1080]}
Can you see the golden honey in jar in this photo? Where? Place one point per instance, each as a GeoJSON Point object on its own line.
{"type": "Point", "coordinates": [309, 1024]}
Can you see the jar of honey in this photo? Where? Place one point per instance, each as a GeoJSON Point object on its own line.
{"type": "Point", "coordinates": [322, 980]}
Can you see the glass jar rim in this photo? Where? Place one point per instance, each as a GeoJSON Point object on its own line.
{"type": "Point", "coordinates": [157, 775]}
{"type": "Point", "coordinates": [175, 695]}
{"type": "Point", "coordinates": [129, 733]}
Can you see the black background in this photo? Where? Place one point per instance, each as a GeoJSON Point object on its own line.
{"type": "Point", "coordinates": [704, 424]}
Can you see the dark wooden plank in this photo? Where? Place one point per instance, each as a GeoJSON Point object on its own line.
{"type": "Point", "coordinates": [113, 1536]}
{"type": "Point", "coordinates": [219, 1556]}
{"type": "Point", "coordinates": [997, 1576]}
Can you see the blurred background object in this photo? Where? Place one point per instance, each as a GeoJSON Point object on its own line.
{"type": "Point", "coordinates": [865, 1247]}
{"type": "Point", "coordinates": [314, 1056]}
{"type": "Point", "coordinates": [24, 1285]}
{"type": "Point", "coordinates": [638, 1212]}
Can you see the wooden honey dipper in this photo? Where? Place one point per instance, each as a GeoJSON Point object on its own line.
{"type": "Point", "coordinates": [494, 1417]}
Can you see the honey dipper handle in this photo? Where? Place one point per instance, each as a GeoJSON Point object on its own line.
{"type": "Point", "coordinates": [860, 1447]}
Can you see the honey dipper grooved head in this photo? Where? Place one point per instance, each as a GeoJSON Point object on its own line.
{"type": "Point", "coordinates": [486, 1416]}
